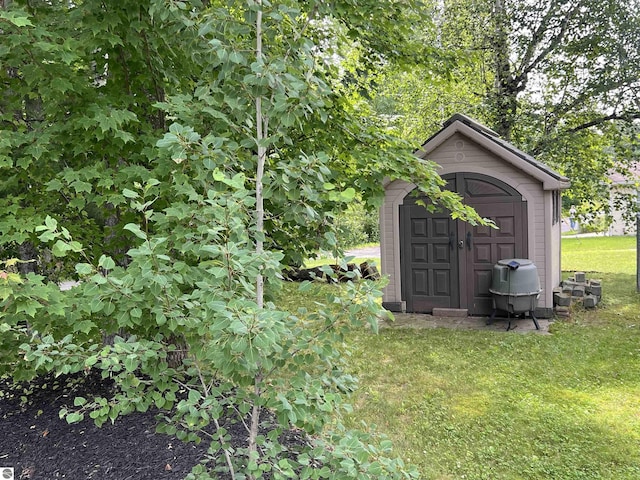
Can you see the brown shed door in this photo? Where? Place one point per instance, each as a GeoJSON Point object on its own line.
{"type": "Point", "coordinates": [431, 279]}
{"type": "Point", "coordinates": [448, 263]}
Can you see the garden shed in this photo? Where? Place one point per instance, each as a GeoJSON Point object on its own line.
{"type": "Point", "coordinates": [435, 262]}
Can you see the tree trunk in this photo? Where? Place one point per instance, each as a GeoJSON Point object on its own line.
{"type": "Point", "coordinates": [261, 134]}
{"type": "Point", "coordinates": [29, 256]}
{"type": "Point", "coordinates": [503, 99]}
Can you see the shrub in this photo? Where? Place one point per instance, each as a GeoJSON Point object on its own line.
{"type": "Point", "coordinates": [189, 338]}
{"type": "Point", "coordinates": [357, 225]}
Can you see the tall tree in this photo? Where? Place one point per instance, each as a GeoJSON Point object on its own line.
{"type": "Point", "coordinates": [77, 120]}
{"type": "Point", "coordinates": [560, 79]}
{"type": "Point", "coordinates": [575, 61]}
{"type": "Point", "coordinates": [568, 85]}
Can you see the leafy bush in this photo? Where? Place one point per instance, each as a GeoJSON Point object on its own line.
{"type": "Point", "coordinates": [357, 225]}
{"type": "Point", "coordinates": [594, 223]}
{"type": "Point", "coordinates": [183, 317]}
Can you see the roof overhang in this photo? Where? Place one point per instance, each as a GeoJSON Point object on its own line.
{"type": "Point", "coordinates": [488, 139]}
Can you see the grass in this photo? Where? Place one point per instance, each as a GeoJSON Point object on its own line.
{"type": "Point", "coordinates": [600, 254]}
{"type": "Point", "coordinates": [498, 405]}
{"type": "Point", "coordinates": [325, 259]}
{"type": "Point", "coordinates": [481, 405]}
{"type": "Point", "coordinates": [316, 262]}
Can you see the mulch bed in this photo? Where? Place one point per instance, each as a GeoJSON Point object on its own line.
{"type": "Point", "coordinates": [41, 446]}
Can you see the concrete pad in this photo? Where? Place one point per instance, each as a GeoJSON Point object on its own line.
{"type": "Point", "coordinates": [450, 312]}
{"type": "Point", "coordinates": [425, 321]}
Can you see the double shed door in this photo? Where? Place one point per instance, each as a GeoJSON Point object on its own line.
{"type": "Point", "coordinates": [448, 263]}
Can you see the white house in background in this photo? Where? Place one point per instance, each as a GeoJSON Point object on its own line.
{"type": "Point", "coordinates": [623, 185]}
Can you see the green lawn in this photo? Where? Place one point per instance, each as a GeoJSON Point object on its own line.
{"type": "Point", "coordinates": [600, 254]}
{"type": "Point", "coordinates": [316, 262]}
{"type": "Point", "coordinates": [502, 405]}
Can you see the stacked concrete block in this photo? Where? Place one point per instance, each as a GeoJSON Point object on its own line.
{"type": "Point", "coordinates": [561, 298]}
{"type": "Point", "coordinates": [590, 301]}
{"type": "Point", "coordinates": [562, 311]}
{"type": "Point", "coordinates": [578, 291]}
{"type": "Point", "coordinates": [576, 288]}
{"type": "Point", "coordinates": [595, 288]}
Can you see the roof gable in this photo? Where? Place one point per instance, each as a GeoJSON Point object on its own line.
{"type": "Point", "coordinates": [487, 138]}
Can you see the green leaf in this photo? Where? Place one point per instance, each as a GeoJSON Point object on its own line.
{"type": "Point", "coordinates": [75, 246]}
{"type": "Point", "coordinates": [81, 187]}
{"type": "Point", "coordinates": [96, 305]}
{"type": "Point", "coordinates": [130, 193]}
{"type": "Point", "coordinates": [126, 137]}
{"type": "Point", "coordinates": [167, 141]}
{"type": "Point", "coordinates": [348, 195]}
{"type": "Point", "coordinates": [106, 262]}
{"type": "Point", "coordinates": [85, 326]}
{"type": "Point", "coordinates": [194, 396]}
{"type": "Point", "coordinates": [91, 361]}
{"type": "Point", "coordinates": [131, 363]}
{"type": "Point", "coordinates": [237, 57]}
{"type": "Point", "coordinates": [84, 268]}
{"type": "Point", "coordinates": [60, 249]}
{"type": "Point", "coordinates": [135, 229]}
{"type": "Point", "coordinates": [51, 223]}
{"type": "Point", "coordinates": [74, 417]}
{"type": "Point", "coordinates": [62, 85]}
{"type": "Point", "coordinates": [18, 18]}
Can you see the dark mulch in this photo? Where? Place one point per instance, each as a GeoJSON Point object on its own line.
{"type": "Point", "coordinates": [39, 445]}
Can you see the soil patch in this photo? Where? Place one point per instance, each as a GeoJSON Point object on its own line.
{"type": "Point", "coordinates": [41, 446]}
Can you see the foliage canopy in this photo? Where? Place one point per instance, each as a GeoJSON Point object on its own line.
{"type": "Point", "coordinates": [132, 136]}
{"type": "Point", "coordinates": [559, 79]}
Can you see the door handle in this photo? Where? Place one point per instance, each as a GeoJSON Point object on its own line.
{"type": "Point", "coordinates": [461, 244]}
{"type": "Point", "coordinates": [451, 240]}
{"type": "Point", "coordinates": [469, 240]}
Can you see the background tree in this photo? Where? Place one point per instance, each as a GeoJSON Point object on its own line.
{"type": "Point", "coordinates": [560, 79]}
{"type": "Point", "coordinates": [77, 122]}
